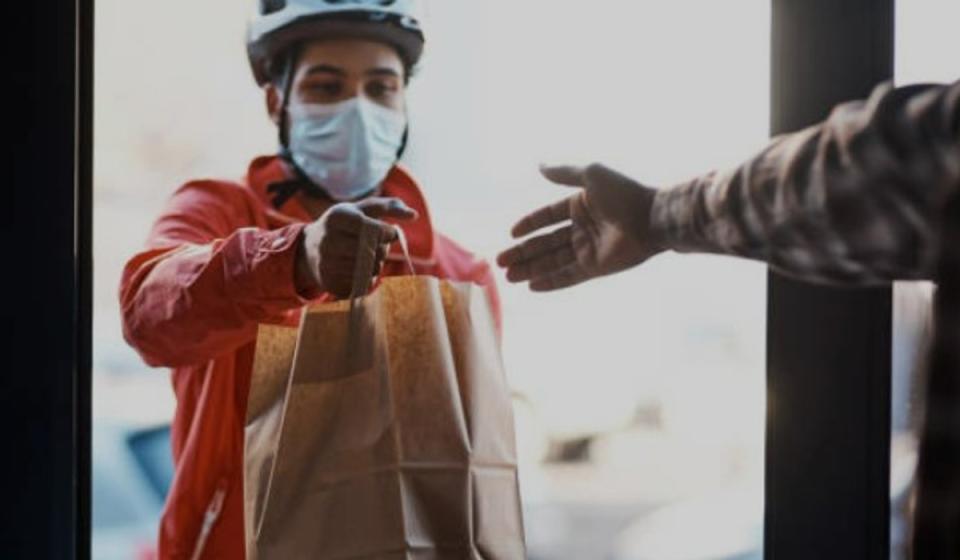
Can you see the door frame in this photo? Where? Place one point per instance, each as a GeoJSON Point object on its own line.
{"type": "Point", "coordinates": [827, 472]}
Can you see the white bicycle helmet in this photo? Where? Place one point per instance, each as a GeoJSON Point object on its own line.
{"type": "Point", "coordinates": [282, 23]}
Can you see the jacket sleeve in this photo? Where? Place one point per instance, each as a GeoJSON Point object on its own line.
{"type": "Point", "coordinates": [207, 278]}
{"type": "Point", "coordinates": [857, 199]}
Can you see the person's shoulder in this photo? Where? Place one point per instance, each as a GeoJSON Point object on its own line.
{"type": "Point", "coordinates": [213, 187]}
{"type": "Point", "coordinates": [212, 193]}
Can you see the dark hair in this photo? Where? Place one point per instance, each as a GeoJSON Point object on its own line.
{"type": "Point", "coordinates": [281, 67]}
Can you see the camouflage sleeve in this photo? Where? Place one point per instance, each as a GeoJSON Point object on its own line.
{"type": "Point", "coordinates": [856, 199]}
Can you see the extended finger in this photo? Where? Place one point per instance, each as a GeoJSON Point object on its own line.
{"type": "Point", "coordinates": [345, 219]}
{"type": "Point", "coordinates": [535, 246]}
{"type": "Point", "coordinates": [379, 207]}
{"type": "Point", "coordinates": [559, 279]}
{"type": "Point", "coordinates": [569, 175]}
{"type": "Point", "coordinates": [543, 265]}
{"type": "Point", "coordinates": [547, 216]}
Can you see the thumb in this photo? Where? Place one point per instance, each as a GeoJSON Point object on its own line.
{"type": "Point", "coordinates": [380, 207]}
{"type": "Point", "coordinates": [569, 175]}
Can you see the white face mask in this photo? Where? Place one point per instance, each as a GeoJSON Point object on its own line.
{"type": "Point", "coordinates": [346, 148]}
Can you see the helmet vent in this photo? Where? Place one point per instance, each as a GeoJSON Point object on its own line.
{"type": "Point", "coordinates": [366, 2]}
{"type": "Point", "coordinates": [271, 6]}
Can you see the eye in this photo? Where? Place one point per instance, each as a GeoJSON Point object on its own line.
{"type": "Point", "coordinates": [331, 88]}
{"type": "Point", "coordinates": [380, 89]}
{"type": "Point", "coordinates": [324, 88]}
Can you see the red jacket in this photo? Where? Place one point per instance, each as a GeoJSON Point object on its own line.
{"type": "Point", "coordinates": [220, 260]}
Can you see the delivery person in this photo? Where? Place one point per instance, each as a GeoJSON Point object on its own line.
{"type": "Point", "coordinates": [225, 256]}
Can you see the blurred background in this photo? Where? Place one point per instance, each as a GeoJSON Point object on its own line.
{"type": "Point", "coordinates": [640, 398]}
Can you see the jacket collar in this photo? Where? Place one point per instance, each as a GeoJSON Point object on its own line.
{"type": "Point", "coordinates": [267, 170]}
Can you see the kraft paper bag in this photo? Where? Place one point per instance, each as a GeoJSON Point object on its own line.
{"type": "Point", "coordinates": [383, 428]}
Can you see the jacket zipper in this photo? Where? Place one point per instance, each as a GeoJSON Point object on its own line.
{"type": "Point", "coordinates": [210, 519]}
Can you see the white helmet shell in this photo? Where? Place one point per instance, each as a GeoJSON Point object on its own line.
{"type": "Point", "coordinates": [282, 23]}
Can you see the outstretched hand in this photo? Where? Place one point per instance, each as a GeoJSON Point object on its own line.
{"type": "Point", "coordinates": [605, 228]}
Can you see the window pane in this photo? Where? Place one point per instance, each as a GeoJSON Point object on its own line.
{"type": "Point", "coordinates": [152, 451]}
{"type": "Point", "coordinates": [641, 397]}
{"type": "Point", "coordinates": [644, 393]}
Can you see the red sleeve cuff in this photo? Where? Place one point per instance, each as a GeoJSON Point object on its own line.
{"type": "Point", "coordinates": [265, 271]}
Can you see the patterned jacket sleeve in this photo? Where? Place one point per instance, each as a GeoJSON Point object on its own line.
{"type": "Point", "coordinates": [856, 199]}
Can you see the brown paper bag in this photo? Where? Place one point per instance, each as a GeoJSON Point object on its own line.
{"type": "Point", "coordinates": [383, 428]}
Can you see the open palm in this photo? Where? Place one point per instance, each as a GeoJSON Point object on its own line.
{"type": "Point", "coordinates": [604, 230]}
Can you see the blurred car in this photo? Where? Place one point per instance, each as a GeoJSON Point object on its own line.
{"type": "Point", "coordinates": [132, 463]}
{"type": "Point", "coordinates": [132, 471]}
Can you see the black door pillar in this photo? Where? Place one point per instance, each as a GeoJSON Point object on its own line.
{"type": "Point", "coordinates": [828, 370]}
{"type": "Point", "coordinates": [46, 271]}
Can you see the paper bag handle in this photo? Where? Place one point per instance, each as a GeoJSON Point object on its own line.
{"type": "Point", "coordinates": [405, 247]}
{"type": "Point", "coordinates": [366, 258]}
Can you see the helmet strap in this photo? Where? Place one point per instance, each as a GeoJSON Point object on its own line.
{"type": "Point", "coordinates": [403, 141]}
{"type": "Point", "coordinates": [285, 190]}
{"type": "Point", "coordinates": [286, 86]}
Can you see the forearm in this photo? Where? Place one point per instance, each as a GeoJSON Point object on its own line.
{"type": "Point", "coordinates": [856, 199]}
{"type": "Point", "coordinates": [189, 303]}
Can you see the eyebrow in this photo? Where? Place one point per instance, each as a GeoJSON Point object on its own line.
{"type": "Point", "coordinates": [383, 71]}
{"type": "Point", "coordinates": [326, 69]}
{"type": "Point", "coordinates": [329, 69]}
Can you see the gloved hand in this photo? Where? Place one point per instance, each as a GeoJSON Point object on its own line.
{"type": "Point", "coordinates": [608, 230]}
{"type": "Point", "coordinates": [327, 253]}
